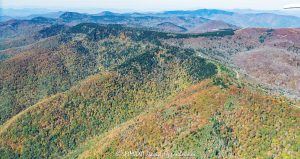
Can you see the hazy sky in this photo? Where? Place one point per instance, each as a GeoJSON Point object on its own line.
{"type": "Point", "coordinates": [149, 5]}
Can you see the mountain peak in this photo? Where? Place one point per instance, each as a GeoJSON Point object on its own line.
{"type": "Point", "coordinates": [72, 16]}
{"type": "Point", "coordinates": [106, 13]}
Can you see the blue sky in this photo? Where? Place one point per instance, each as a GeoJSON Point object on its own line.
{"type": "Point", "coordinates": [149, 5]}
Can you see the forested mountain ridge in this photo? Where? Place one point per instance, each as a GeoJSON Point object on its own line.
{"type": "Point", "coordinates": [139, 73]}
{"type": "Point", "coordinates": [72, 56]}
{"type": "Point", "coordinates": [93, 90]}
{"type": "Point", "coordinates": [196, 24]}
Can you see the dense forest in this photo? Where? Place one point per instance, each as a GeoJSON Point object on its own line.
{"type": "Point", "coordinates": [101, 91]}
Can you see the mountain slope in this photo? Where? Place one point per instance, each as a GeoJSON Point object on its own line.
{"type": "Point", "coordinates": [54, 64]}
{"type": "Point", "coordinates": [17, 33]}
{"type": "Point", "coordinates": [276, 67]}
{"type": "Point", "coordinates": [205, 121]}
{"type": "Point", "coordinates": [218, 114]}
{"type": "Point", "coordinates": [101, 102]}
{"type": "Point", "coordinates": [268, 56]}
{"type": "Point", "coordinates": [40, 71]}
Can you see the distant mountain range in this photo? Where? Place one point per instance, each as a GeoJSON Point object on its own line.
{"type": "Point", "coordinates": [172, 23]}
{"type": "Point", "coordinates": [240, 18]}
{"type": "Point", "coordinates": [20, 32]}
{"type": "Point", "coordinates": [265, 20]}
